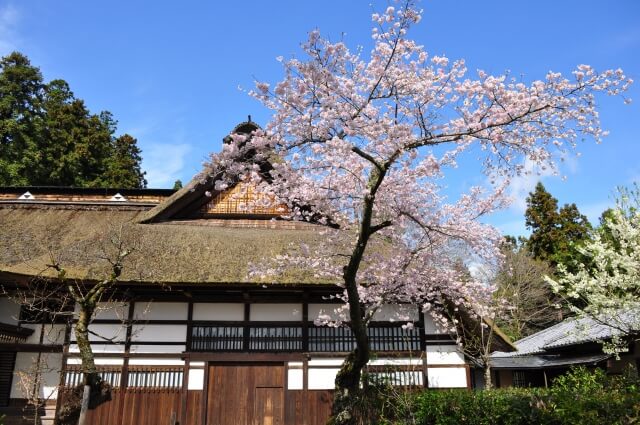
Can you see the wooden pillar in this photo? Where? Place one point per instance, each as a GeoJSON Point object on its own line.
{"type": "Point", "coordinates": [423, 347]}
{"type": "Point", "coordinates": [205, 395]}
{"type": "Point", "coordinates": [305, 387]}
{"type": "Point", "coordinates": [247, 319]}
{"type": "Point", "coordinates": [124, 377]}
{"type": "Point", "coordinates": [63, 366]}
{"type": "Point", "coordinates": [305, 322]}
{"type": "Point", "coordinates": [187, 364]}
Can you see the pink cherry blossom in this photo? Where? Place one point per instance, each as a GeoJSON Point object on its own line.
{"type": "Point", "coordinates": [365, 143]}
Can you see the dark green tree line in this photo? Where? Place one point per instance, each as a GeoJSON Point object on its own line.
{"type": "Point", "coordinates": [555, 233]}
{"type": "Point", "coordinates": [49, 137]}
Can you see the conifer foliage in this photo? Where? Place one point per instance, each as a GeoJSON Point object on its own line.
{"type": "Point", "coordinates": [555, 233]}
{"type": "Point", "coordinates": [49, 137]}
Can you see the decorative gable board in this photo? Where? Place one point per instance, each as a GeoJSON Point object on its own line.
{"type": "Point", "coordinates": [245, 200]}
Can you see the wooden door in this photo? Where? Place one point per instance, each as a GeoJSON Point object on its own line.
{"type": "Point", "coordinates": [245, 394]}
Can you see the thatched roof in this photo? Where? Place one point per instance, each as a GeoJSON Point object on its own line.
{"type": "Point", "coordinates": [194, 251]}
{"type": "Point", "coordinates": [205, 251]}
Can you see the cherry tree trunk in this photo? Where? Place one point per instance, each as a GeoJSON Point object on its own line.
{"type": "Point", "coordinates": [348, 391]}
{"type": "Point", "coordinates": [487, 377]}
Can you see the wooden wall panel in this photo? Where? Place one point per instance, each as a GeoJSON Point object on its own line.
{"type": "Point", "coordinates": [319, 404]}
{"type": "Point", "coordinates": [107, 413]}
{"type": "Point", "coordinates": [194, 416]}
{"type": "Point", "coordinates": [311, 407]}
{"type": "Point", "coordinates": [151, 407]}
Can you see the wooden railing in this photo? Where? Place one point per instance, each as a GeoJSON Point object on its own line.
{"type": "Point", "coordinates": [13, 333]}
{"type": "Point", "coordinates": [138, 376]}
{"type": "Point", "coordinates": [110, 374]}
{"type": "Point", "coordinates": [294, 337]}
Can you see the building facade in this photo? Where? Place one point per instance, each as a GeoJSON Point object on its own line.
{"type": "Point", "coordinates": [185, 336]}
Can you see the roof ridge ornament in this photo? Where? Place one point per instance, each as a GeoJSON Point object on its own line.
{"type": "Point", "coordinates": [118, 198]}
{"type": "Point", "coordinates": [26, 196]}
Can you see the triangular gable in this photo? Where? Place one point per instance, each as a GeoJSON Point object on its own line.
{"type": "Point", "coordinates": [199, 199]}
{"type": "Point", "coordinates": [242, 200]}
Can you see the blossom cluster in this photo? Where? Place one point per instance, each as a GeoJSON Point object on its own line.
{"type": "Point", "coordinates": [363, 144]}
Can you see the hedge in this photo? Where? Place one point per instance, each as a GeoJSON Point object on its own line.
{"type": "Point", "coordinates": [581, 397]}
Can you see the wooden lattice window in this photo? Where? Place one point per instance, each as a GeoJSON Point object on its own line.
{"type": "Point", "coordinates": [243, 199]}
{"type": "Point", "coordinates": [278, 336]}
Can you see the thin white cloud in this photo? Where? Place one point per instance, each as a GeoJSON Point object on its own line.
{"type": "Point", "coordinates": [9, 17]}
{"type": "Point", "coordinates": [594, 211]}
{"type": "Point", "coordinates": [513, 228]}
{"type": "Point", "coordinates": [521, 185]}
{"type": "Point", "coordinates": [524, 183]}
{"type": "Point", "coordinates": [164, 162]}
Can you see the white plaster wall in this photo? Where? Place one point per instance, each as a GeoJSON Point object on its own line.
{"type": "Point", "coordinates": [50, 369]}
{"type": "Point", "coordinates": [159, 333]}
{"type": "Point", "coordinates": [9, 311]}
{"type": "Point", "coordinates": [322, 379]}
{"type": "Point", "coordinates": [156, 362]}
{"type": "Point", "coordinates": [316, 310]}
{"type": "Point", "coordinates": [160, 311]}
{"type": "Point", "coordinates": [444, 354]}
{"type": "Point", "coordinates": [104, 333]}
{"type": "Point", "coordinates": [396, 313]}
{"type": "Point", "coordinates": [447, 377]}
{"type": "Point", "coordinates": [196, 379]}
{"type": "Point", "coordinates": [100, 348]}
{"type": "Point", "coordinates": [98, 361]}
{"type": "Point", "coordinates": [112, 311]}
{"type": "Point", "coordinates": [325, 362]}
{"type": "Point", "coordinates": [218, 311]}
{"type": "Point", "coordinates": [294, 379]}
{"type": "Point", "coordinates": [276, 312]}
{"type": "Point", "coordinates": [158, 348]}
{"type": "Point", "coordinates": [53, 334]}
{"type": "Point", "coordinates": [430, 326]}
{"type": "Point", "coordinates": [417, 361]}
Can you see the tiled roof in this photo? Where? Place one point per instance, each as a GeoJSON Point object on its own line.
{"type": "Point", "coordinates": [573, 332]}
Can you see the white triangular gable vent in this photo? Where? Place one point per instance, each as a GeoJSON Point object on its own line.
{"type": "Point", "coordinates": [26, 195]}
{"type": "Point", "coordinates": [118, 198]}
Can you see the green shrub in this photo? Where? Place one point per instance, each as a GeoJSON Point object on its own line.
{"type": "Point", "coordinates": [581, 397]}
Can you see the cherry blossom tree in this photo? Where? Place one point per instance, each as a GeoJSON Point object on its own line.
{"type": "Point", "coordinates": [362, 143]}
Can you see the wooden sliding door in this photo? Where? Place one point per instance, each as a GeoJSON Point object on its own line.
{"type": "Point", "coordinates": [245, 394]}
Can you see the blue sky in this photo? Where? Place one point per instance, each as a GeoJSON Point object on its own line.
{"type": "Point", "coordinates": [173, 73]}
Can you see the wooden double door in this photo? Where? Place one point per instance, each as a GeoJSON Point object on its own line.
{"type": "Point", "coordinates": [245, 394]}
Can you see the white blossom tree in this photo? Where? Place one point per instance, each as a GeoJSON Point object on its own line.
{"type": "Point", "coordinates": [606, 290]}
{"type": "Point", "coordinates": [363, 141]}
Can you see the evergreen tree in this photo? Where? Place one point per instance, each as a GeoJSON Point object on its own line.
{"type": "Point", "coordinates": [123, 166]}
{"type": "Point", "coordinates": [177, 185]}
{"type": "Point", "coordinates": [541, 217]}
{"type": "Point", "coordinates": [49, 137]}
{"type": "Point", "coordinates": [575, 229]}
{"type": "Point", "coordinates": [21, 114]}
{"type": "Point", "coordinates": [555, 234]}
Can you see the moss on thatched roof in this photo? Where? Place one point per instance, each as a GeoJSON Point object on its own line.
{"type": "Point", "coordinates": [165, 252]}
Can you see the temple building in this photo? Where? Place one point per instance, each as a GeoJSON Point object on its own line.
{"type": "Point", "coordinates": [186, 336]}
